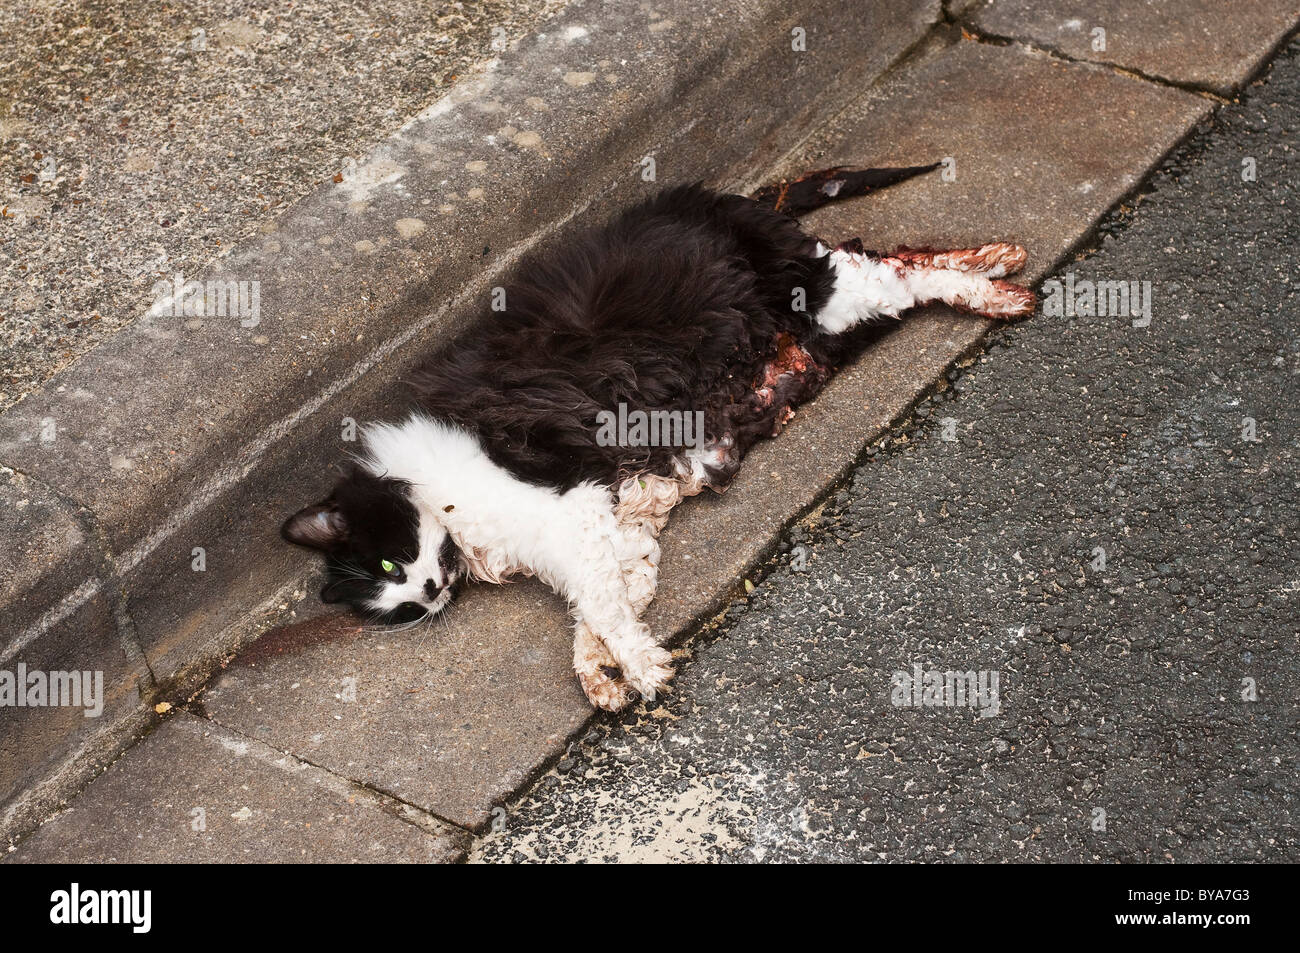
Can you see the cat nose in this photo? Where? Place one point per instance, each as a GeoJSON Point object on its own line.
{"type": "Point", "coordinates": [431, 589]}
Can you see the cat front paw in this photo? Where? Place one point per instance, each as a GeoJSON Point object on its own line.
{"type": "Point", "coordinates": [606, 688]}
{"type": "Point", "coordinates": [649, 671]}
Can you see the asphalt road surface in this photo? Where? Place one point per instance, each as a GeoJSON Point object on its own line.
{"type": "Point", "coordinates": [1100, 512]}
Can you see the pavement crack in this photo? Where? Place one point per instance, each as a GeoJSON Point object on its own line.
{"type": "Point", "coordinates": [977, 35]}
{"type": "Point", "coordinates": [106, 577]}
{"type": "Point", "coordinates": [430, 822]}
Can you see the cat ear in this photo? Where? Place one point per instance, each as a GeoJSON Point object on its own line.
{"type": "Point", "coordinates": [319, 526]}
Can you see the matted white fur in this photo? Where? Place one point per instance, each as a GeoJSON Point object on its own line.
{"type": "Point", "coordinates": [866, 289]}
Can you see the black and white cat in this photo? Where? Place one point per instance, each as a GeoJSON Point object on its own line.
{"type": "Point", "coordinates": [698, 302]}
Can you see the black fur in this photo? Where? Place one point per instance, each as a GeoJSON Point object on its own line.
{"type": "Point", "coordinates": [364, 520]}
{"type": "Point", "coordinates": [674, 305]}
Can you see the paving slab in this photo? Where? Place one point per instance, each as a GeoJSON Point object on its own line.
{"type": "Point", "coordinates": [194, 792]}
{"type": "Point", "coordinates": [1201, 43]}
{"type": "Point", "coordinates": [480, 698]}
{"type": "Point", "coordinates": [450, 716]}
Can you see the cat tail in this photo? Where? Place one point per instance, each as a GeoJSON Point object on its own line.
{"type": "Point", "coordinates": [815, 189]}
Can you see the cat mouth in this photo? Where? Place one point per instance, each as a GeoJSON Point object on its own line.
{"type": "Point", "coordinates": [406, 612]}
{"type": "Point", "coordinates": [413, 611]}
{"type": "Point", "coordinates": [439, 602]}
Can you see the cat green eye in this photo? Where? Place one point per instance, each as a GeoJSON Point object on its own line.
{"type": "Point", "coordinates": [386, 566]}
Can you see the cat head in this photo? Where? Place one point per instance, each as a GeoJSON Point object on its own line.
{"type": "Point", "coordinates": [386, 556]}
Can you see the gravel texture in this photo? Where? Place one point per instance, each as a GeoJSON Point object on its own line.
{"type": "Point", "coordinates": [138, 140]}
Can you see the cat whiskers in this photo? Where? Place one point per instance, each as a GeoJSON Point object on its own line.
{"type": "Point", "coordinates": [433, 619]}
{"type": "Point", "coordinates": [398, 627]}
{"type": "Point", "coordinates": [352, 571]}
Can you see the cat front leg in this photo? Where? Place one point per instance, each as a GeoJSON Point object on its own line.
{"type": "Point", "coordinates": [592, 574]}
{"type": "Point", "coordinates": [576, 544]}
{"type": "Point", "coordinates": [598, 673]}
{"type": "Point", "coordinates": [601, 605]}
{"type": "Point", "coordinates": [646, 666]}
